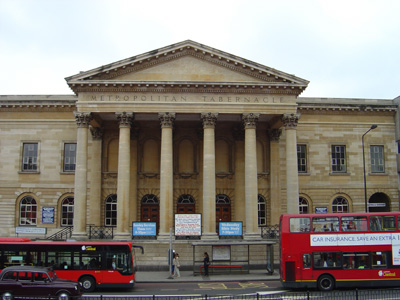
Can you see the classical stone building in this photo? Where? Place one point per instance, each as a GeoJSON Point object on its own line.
{"type": "Point", "coordinates": [189, 129]}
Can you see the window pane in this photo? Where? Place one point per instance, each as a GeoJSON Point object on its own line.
{"type": "Point", "coordinates": [377, 159]}
{"type": "Point", "coordinates": [29, 157]}
{"type": "Point", "coordinates": [339, 159]}
{"type": "Point", "coordinates": [302, 158]}
{"type": "Point", "coordinates": [299, 224]}
{"type": "Point", "coordinates": [354, 224]}
{"type": "Point", "coordinates": [325, 224]}
{"type": "Point", "coordinates": [327, 260]}
{"type": "Point", "coordinates": [69, 157]}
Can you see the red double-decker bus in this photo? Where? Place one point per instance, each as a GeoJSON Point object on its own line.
{"type": "Point", "coordinates": [325, 251]}
{"type": "Point", "coordinates": [94, 264]}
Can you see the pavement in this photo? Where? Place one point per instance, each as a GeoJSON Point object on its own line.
{"type": "Point", "coordinates": [188, 276]}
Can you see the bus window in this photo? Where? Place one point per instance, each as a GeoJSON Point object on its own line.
{"type": "Point", "coordinates": [379, 259]}
{"type": "Point", "coordinates": [354, 223]}
{"type": "Point", "coordinates": [325, 224]}
{"type": "Point", "coordinates": [300, 225]}
{"type": "Point", "coordinates": [327, 260]}
{"type": "Point", "coordinates": [306, 260]}
{"type": "Point", "coordinates": [382, 223]}
{"type": "Point", "coordinates": [356, 260]}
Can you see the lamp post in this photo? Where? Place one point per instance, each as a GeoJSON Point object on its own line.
{"type": "Point", "coordinates": [365, 180]}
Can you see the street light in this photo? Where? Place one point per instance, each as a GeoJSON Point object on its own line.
{"type": "Point", "coordinates": [365, 180]}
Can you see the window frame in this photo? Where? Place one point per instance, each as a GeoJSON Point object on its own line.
{"type": "Point", "coordinates": [29, 208]}
{"type": "Point", "coordinates": [261, 209]}
{"type": "Point", "coordinates": [36, 160]}
{"type": "Point", "coordinates": [339, 159]}
{"type": "Point", "coordinates": [110, 215]}
{"type": "Point", "coordinates": [380, 166]}
{"type": "Point", "coordinates": [69, 157]}
{"type": "Point", "coordinates": [303, 166]}
{"type": "Point", "coordinates": [67, 215]}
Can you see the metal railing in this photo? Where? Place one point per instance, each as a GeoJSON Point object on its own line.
{"type": "Point", "coordinates": [270, 232]}
{"type": "Point", "coordinates": [62, 235]}
{"type": "Point", "coordinates": [101, 232]}
{"type": "Point", "coordinates": [306, 295]}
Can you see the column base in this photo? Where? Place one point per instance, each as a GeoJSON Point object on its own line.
{"type": "Point", "coordinates": [122, 236]}
{"type": "Point", "coordinates": [209, 237]}
{"type": "Point", "coordinates": [252, 237]}
{"type": "Point", "coordinates": [164, 237]}
{"type": "Point", "coordinates": [79, 236]}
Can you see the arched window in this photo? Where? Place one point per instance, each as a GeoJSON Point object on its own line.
{"type": "Point", "coordinates": [186, 204]}
{"type": "Point", "coordinates": [262, 210]}
{"type": "Point", "coordinates": [27, 211]}
{"type": "Point", "coordinates": [340, 205]}
{"type": "Point", "coordinates": [150, 199]}
{"type": "Point", "coordinates": [150, 209]}
{"type": "Point", "coordinates": [67, 211]}
{"type": "Point", "coordinates": [222, 199]}
{"type": "Point", "coordinates": [303, 205]}
{"type": "Point", "coordinates": [111, 210]}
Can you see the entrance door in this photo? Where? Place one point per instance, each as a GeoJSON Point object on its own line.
{"type": "Point", "coordinates": [222, 210]}
{"type": "Point", "coordinates": [186, 205]}
{"type": "Point", "coordinates": [150, 210]}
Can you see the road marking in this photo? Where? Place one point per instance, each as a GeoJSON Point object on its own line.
{"type": "Point", "coordinates": [253, 285]}
{"type": "Point", "coordinates": [213, 286]}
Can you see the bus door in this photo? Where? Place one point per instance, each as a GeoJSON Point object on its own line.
{"type": "Point", "coordinates": [304, 271]}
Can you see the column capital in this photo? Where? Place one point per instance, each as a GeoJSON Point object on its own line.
{"type": "Point", "coordinates": [125, 119]}
{"type": "Point", "coordinates": [290, 120]}
{"type": "Point", "coordinates": [209, 119]}
{"type": "Point", "coordinates": [97, 133]}
{"type": "Point", "coordinates": [167, 119]}
{"type": "Point", "coordinates": [250, 120]}
{"type": "Point", "coordinates": [275, 134]}
{"type": "Point", "coordinates": [83, 118]}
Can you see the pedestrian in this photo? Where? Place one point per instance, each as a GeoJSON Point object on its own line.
{"type": "Point", "coordinates": [206, 262]}
{"type": "Point", "coordinates": [177, 265]}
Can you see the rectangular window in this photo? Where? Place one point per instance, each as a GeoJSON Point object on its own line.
{"type": "Point", "coordinates": [69, 157]}
{"type": "Point", "coordinates": [382, 223]}
{"type": "Point", "coordinates": [377, 159]}
{"type": "Point", "coordinates": [325, 224]}
{"type": "Point", "coordinates": [300, 224]}
{"type": "Point", "coordinates": [338, 159]}
{"type": "Point", "coordinates": [354, 224]}
{"type": "Point", "coordinates": [30, 157]}
{"type": "Point", "coordinates": [302, 158]}
{"type": "Point", "coordinates": [327, 260]}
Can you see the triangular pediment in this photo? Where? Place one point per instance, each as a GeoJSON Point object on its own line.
{"type": "Point", "coordinates": [187, 63]}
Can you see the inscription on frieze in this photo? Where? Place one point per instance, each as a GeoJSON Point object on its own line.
{"type": "Point", "coordinates": [176, 98]}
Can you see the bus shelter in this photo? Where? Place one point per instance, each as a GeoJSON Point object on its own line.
{"type": "Point", "coordinates": [232, 256]}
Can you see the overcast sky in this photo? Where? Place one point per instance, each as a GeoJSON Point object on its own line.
{"type": "Point", "coordinates": [345, 48]}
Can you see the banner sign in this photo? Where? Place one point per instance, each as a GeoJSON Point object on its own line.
{"type": "Point", "coordinates": [230, 228]}
{"type": "Point", "coordinates": [48, 215]}
{"type": "Point", "coordinates": [357, 239]}
{"type": "Point", "coordinates": [188, 225]}
{"type": "Point", "coordinates": [30, 230]}
{"type": "Point", "coordinates": [144, 228]}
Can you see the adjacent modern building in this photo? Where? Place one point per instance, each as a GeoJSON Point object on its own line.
{"type": "Point", "coordinates": [189, 129]}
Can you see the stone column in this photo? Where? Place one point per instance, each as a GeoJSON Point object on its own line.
{"type": "Point", "coordinates": [292, 180]}
{"type": "Point", "coordinates": [166, 174]}
{"type": "Point", "coordinates": [275, 160]}
{"type": "Point", "coordinates": [80, 197]}
{"type": "Point", "coordinates": [95, 177]}
{"type": "Point", "coordinates": [123, 189]}
{"type": "Point", "coordinates": [209, 186]}
{"type": "Point", "coordinates": [251, 186]}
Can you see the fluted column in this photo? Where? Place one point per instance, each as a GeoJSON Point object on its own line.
{"type": "Point", "coordinates": [292, 180]}
{"type": "Point", "coordinates": [275, 189]}
{"type": "Point", "coordinates": [80, 196]}
{"type": "Point", "coordinates": [251, 186]}
{"type": "Point", "coordinates": [166, 174]}
{"type": "Point", "coordinates": [95, 176]}
{"type": "Point", "coordinates": [209, 186]}
{"type": "Point", "coordinates": [125, 121]}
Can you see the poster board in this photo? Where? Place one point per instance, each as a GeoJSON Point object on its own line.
{"type": "Point", "coordinates": [187, 224]}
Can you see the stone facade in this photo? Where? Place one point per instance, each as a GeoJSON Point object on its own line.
{"type": "Point", "coordinates": [190, 127]}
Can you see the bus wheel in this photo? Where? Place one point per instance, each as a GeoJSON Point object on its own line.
{"type": "Point", "coordinates": [88, 284]}
{"type": "Point", "coordinates": [326, 283]}
{"type": "Point", "coordinates": [6, 296]}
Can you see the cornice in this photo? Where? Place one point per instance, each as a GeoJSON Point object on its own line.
{"type": "Point", "coordinates": [186, 87]}
{"type": "Point", "coordinates": [347, 108]}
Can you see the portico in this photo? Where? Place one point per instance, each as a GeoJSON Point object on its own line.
{"type": "Point", "coordinates": [184, 122]}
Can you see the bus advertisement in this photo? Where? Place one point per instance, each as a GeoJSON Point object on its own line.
{"type": "Point", "coordinates": [94, 264]}
{"type": "Point", "coordinates": [328, 251]}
